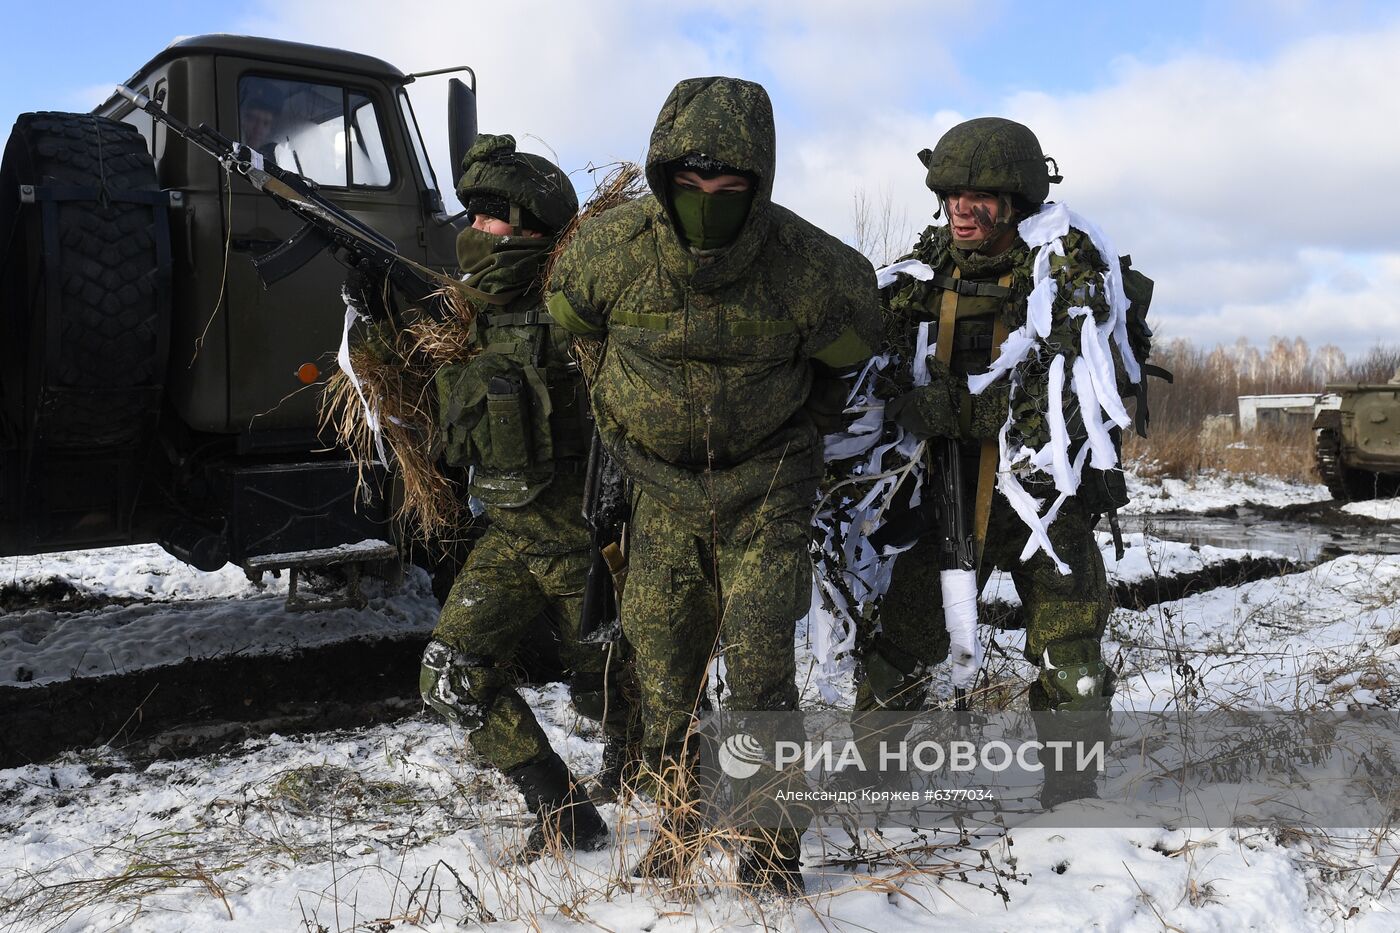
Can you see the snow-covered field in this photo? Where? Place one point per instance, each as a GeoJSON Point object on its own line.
{"type": "Point", "coordinates": [393, 827]}
{"type": "Point", "coordinates": [1209, 492]}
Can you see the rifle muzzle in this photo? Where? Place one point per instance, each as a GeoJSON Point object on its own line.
{"type": "Point", "coordinates": [136, 97]}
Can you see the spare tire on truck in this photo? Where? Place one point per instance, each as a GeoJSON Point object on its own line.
{"type": "Point", "coordinates": [84, 326]}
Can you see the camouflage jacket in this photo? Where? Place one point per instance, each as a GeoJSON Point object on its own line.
{"type": "Point", "coordinates": [1004, 282]}
{"type": "Point", "coordinates": [710, 358]}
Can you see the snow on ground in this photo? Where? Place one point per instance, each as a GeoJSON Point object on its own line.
{"type": "Point", "coordinates": [1384, 509]}
{"type": "Point", "coordinates": [1144, 557]}
{"type": "Point", "coordinates": [139, 571]}
{"type": "Point", "coordinates": [1210, 491]}
{"type": "Point", "coordinates": [142, 608]}
{"type": "Point", "coordinates": [395, 827]}
{"type": "Point", "coordinates": [1325, 638]}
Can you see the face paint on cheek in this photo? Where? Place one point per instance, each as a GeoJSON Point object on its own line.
{"type": "Point", "coordinates": [983, 215]}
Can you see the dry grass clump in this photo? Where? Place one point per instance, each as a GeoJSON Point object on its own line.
{"type": "Point", "coordinates": [396, 376]}
{"type": "Point", "coordinates": [621, 182]}
{"type": "Point", "coordinates": [1183, 452]}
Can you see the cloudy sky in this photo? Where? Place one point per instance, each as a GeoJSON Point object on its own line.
{"type": "Point", "coordinates": [1247, 154]}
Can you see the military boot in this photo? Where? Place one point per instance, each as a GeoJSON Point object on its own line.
{"type": "Point", "coordinates": [772, 865]}
{"type": "Point", "coordinates": [1071, 701]}
{"type": "Point", "coordinates": [560, 807]}
{"type": "Point", "coordinates": [616, 771]}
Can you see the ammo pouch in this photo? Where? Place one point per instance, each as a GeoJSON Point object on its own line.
{"type": "Point", "coordinates": [1105, 491]}
{"type": "Point", "coordinates": [1102, 491]}
{"type": "Point", "coordinates": [494, 413]}
{"type": "Point", "coordinates": [505, 442]}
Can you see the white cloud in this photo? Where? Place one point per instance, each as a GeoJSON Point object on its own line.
{"type": "Point", "coordinates": [1243, 187]}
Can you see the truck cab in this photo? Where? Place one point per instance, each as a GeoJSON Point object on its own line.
{"type": "Point", "coordinates": [225, 460]}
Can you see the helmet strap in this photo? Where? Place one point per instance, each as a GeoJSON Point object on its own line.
{"type": "Point", "coordinates": [515, 228]}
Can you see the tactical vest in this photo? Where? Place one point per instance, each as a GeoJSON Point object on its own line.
{"type": "Point", "coordinates": [517, 412]}
{"type": "Point", "coordinates": [985, 313]}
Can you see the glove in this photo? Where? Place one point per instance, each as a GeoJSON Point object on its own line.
{"type": "Point", "coordinates": [989, 411]}
{"type": "Point", "coordinates": [925, 411]}
{"type": "Point", "coordinates": [364, 294]}
{"type": "Point", "coordinates": [928, 410]}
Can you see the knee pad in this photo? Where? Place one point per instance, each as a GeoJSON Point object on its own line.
{"type": "Point", "coordinates": [459, 686]}
{"type": "Point", "coordinates": [1073, 676]}
{"type": "Point", "coordinates": [897, 679]}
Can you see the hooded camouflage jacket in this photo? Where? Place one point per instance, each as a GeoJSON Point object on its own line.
{"type": "Point", "coordinates": [709, 359]}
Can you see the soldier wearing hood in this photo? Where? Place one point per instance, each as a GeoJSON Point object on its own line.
{"type": "Point", "coordinates": [729, 322]}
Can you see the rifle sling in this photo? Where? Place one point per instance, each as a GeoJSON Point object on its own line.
{"type": "Point", "coordinates": [947, 318]}
{"type": "Point", "coordinates": [989, 455]}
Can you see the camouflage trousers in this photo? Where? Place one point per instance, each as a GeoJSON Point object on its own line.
{"type": "Point", "coordinates": [1063, 612]}
{"type": "Point", "coordinates": [693, 593]}
{"type": "Point", "coordinates": [496, 603]}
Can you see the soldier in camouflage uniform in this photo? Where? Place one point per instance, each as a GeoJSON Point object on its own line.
{"type": "Point", "coordinates": [517, 414]}
{"type": "Point", "coordinates": [729, 321]}
{"type": "Point", "coordinates": [988, 175]}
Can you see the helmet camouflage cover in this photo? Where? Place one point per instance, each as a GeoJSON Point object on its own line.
{"type": "Point", "coordinates": [989, 154]}
{"type": "Point", "coordinates": [531, 182]}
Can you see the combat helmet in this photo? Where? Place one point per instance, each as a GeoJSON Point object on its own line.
{"type": "Point", "coordinates": [991, 154]}
{"type": "Point", "coordinates": [526, 189]}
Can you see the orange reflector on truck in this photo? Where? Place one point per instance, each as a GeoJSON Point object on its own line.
{"type": "Point", "coordinates": [308, 373]}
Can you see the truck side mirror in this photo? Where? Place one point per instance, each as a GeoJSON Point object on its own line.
{"type": "Point", "coordinates": [461, 123]}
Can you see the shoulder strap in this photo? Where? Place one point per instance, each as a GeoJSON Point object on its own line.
{"type": "Point", "coordinates": [956, 283]}
{"type": "Point", "coordinates": [518, 318]}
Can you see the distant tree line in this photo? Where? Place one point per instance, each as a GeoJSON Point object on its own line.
{"type": "Point", "coordinates": [1208, 381]}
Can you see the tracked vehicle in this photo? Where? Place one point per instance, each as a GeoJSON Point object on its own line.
{"type": "Point", "coordinates": [151, 388]}
{"type": "Point", "coordinates": [1357, 434]}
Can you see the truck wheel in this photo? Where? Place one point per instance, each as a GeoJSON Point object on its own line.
{"type": "Point", "coordinates": [84, 309]}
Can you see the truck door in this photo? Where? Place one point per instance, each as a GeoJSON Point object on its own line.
{"type": "Point", "coordinates": [334, 130]}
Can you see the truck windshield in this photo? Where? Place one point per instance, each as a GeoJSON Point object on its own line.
{"type": "Point", "coordinates": [328, 133]}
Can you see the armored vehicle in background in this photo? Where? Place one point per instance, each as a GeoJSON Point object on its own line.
{"type": "Point", "coordinates": [1357, 433]}
{"type": "Point", "coordinates": [151, 388]}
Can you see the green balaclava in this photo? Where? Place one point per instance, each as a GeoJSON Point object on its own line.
{"type": "Point", "coordinates": [535, 193]}
{"type": "Point", "coordinates": [500, 267]}
{"type": "Point", "coordinates": [710, 221]}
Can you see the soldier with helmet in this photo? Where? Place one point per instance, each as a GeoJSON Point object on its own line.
{"type": "Point", "coordinates": [516, 414]}
{"type": "Point", "coordinates": [1024, 435]}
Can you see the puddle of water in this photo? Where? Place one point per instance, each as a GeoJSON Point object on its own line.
{"type": "Point", "coordinates": [1298, 541]}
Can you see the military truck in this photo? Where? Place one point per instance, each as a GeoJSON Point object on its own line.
{"type": "Point", "coordinates": [1357, 434]}
{"type": "Point", "coordinates": [151, 388]}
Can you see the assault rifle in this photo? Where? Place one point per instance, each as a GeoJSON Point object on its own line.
{"type": "Point", "coordinates": [607, 506]}
{"type": "Point", "coordinates": [958, 557]}
{"type": "Point", "coordinates": [942, 510]}
{"type": "Point", "coordinates": [324, 225]}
